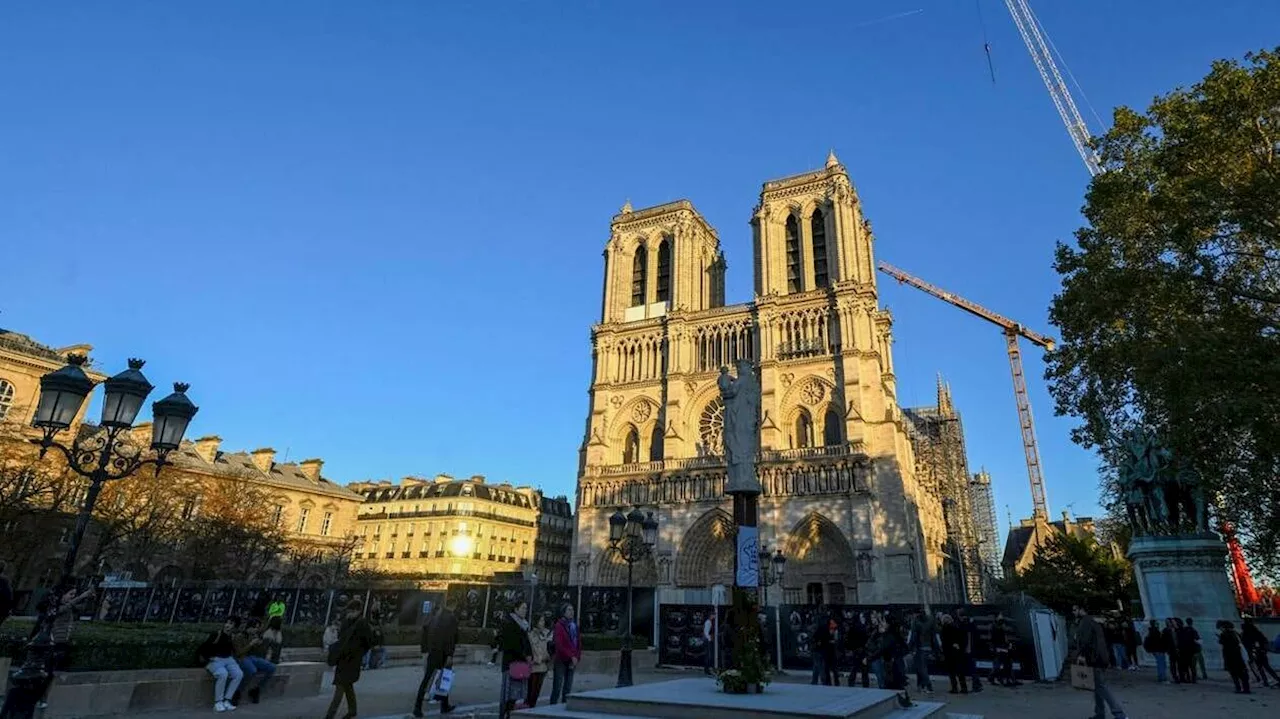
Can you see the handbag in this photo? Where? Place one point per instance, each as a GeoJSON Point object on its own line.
{"type": "Point", "coordinates": [444, 682]}
{"type": "Point", "coordinates": [1082, 677]}
{"type": "Point", "coordinates": [519, 671]}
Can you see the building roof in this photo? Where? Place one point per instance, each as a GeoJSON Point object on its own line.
{"type": "Point", "coordinates": [446, 487]}
{"type": "Point", "coordinates": [1019, 538]}
{"type": "Point", "coordinates": [241, 464]}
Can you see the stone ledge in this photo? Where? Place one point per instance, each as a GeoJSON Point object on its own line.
{"type": "Point", "coordinates": [90, 694]}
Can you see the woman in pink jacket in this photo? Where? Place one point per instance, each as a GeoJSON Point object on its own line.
{"type": "Point", "coordinates": [568, 650]}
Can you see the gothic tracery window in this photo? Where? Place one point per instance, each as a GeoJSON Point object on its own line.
{"type": "Point", "coordinates": [831, 428]}
{"type": "Point", "coordinates": [631, 447]}
{"type": "Point", "coordinates": [664, 271]}
{"type": "Point", "coordinates": [818, 235]}
{"type": "Point", "coordinates": [639, 275]}
{"type": "Point", "coordinates": [803, 430]}
{"type": "Point", "coordinates": [794, 283]}
{"type": "Point", "coordinates": [711, 428]}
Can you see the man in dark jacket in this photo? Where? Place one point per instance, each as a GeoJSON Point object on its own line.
{"type": "Point", "coordinates": [439, 639]}
{"type": "Point", "coordinates": [1091, 642]}
{"type": "Point", "coordinates": [971, 647]}
{"type": "Point", "coordinates": [355, 637]}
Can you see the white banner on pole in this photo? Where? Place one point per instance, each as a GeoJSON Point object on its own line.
{"type": "Point", "coordinates": [748, 557]}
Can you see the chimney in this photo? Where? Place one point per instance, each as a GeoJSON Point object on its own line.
{"type": "Point", "coordinates": [311, 468]}
{"type": "Point", "coordinates": [264, 459]}
{"type": "Point", "coordinates": [207, 447]}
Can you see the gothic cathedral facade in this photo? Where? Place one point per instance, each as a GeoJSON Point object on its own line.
{"type": "Point", "coordinates": [841, 497]}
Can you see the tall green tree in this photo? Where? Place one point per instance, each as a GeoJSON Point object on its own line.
{"type": "Point", "coordinates": [1070, 570]}
{"type": "Point", "coordinates": [1170, 302]}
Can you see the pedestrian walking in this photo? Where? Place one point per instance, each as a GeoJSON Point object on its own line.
{"type": "Point", "coordinates": [517, 655]}
{"type": "Point", "coordinates": [568, 652]}
{"type": "Point", "coordinates": [1188, 639]}
{"type": "Point", "coordinates": [970, 648]}
{"type": "Point", "coordinates": [821, 647]}
{"type": "Point", "coordinates": [1198, 654]}
{"type": "Point", "coordinates": [1132, 640]}
{"type": "Point", "coordinates": [953, 646]}
{"type": "Point", "coordinates": [1233, 656]}
{"type": "Point", "coordinates": [856, 645]}
{"type": "Point", "coordinates": [218, 654]}
{"type": "Point", "coordinates": [439, 642]}
{"type": "Point", "coordinates": [273, 640]}
{"type": "Point", "coordinates": [1002, 649]}
{"type": "Point", "coordinates": [1091, 642]}
{"type": "Point", "coordinates": [543, 645]}
{"type": "Point", "coordinates": [1256, 644]}
{"type": "Point", "coordinates": [874, 649]}
{"type": "Point", "coordinates": [709, 644]}
{"type": "Point", "coordinates": [1170, 637]}
{"type": "Point", "coordinates": [1154, 645]}
{"type": "Point", "coordinates": [355, 637]}
{"type": "Point", "coordinates": [922, 641]}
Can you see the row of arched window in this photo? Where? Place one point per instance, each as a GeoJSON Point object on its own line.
{"type": "Point", "coordinates": [817, 249]}
{"type": "Point", "coordinates": [640, 274]}
{"type": "Point", "coordinates": [632, 452]}
{"type": "Point", "coordinates": [802, 429]}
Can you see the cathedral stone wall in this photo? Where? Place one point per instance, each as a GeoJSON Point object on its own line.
{"type": "Point", "coordinates": [837, 465]}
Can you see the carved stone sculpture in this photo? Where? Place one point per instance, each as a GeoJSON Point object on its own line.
{"type": "Point", "coordinates": [741, 398]}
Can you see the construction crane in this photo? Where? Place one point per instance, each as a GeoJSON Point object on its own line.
{"type": "Point", "coordinates": [1012, 331]}
{"type": "Point", "coordinates": [1034, 37]}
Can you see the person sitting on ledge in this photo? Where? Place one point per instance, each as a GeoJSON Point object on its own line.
{"type": "Point", "coordinates": [218, 655]}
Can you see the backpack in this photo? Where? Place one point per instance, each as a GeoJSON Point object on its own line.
{"type": "Point", "coordinates": [336, 649]}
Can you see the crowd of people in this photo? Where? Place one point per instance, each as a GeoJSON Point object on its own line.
{"type": "Point", "coordinates": [882, 645]}
{"type": "Point", "coordinates": [1178, 651]}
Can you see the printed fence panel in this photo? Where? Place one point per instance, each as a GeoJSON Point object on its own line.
{"type": "Point", "coordinates": [217, 605]}
{"type": "Point", "coordinates": [469, 600]}
{"type": "Point", "coordinates": [190, 603]}
{"type": "Point", "coordinates": [680, 640]}
{"type": "Point", "coordinates": [135, 604]}
{"type": "Point", "coordinates": [311, 607]}
{"type": "Point", "coordinates": [111, 604]}
{"type": "Point", "coordinates": [503, 600]}
{"type": "Point", "coordinates": [603, 609]}
{"type": "Point", "coordinates": [161, 606]}
{"type": "Point", "coordinates": [551, 600]}
{"type": "Point", "coordinates": [251, 602]}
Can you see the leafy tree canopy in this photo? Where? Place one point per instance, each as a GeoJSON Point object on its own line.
{"type": "Point", "coordinates": [1170, 302]}
{"type": "Point", "coordinates": [1071, 570]}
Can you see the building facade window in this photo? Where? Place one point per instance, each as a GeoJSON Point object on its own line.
{"type": "Point", "coordinates": [803, 430]}
{"type": "Point", "coordinates": [794, 282]}
{"type": "Point", "coordinates": [277, 516]}
{"type": "Point", "coordinates": [325, 523]}
{"type": "Point", "coordinates": [664, 270]}
{"type": "Point", "coordinates": [631, 447]}
{"type": "Point", "coordinates": [6, 397]}
{"type": "Point", "coordinates": [302, 520]}
{"type": "Point", "coordinates": [832, 427]}
{"type": "Point", "coordinates": [818, 236]}
{"type": "Point", "coordinates": [639, 275]}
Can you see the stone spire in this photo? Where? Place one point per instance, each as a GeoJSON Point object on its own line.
{"type": "Point", "coordinates": [831, 159]}
{"type": "Point", "coordinates": [626, 207]}
{"type": "Point", "coordinates": [945, 407]}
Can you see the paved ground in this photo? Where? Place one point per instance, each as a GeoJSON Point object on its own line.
{"type": "Point", "coordinates": [388, 694]}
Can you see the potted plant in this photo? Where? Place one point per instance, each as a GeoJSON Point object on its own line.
{"type": "Point", "coordinates": [750, 671]}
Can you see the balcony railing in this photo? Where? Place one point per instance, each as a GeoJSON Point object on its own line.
{"type": "Point", "coordinates": [844, 449]}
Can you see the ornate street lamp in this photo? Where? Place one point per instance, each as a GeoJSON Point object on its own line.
{"type": "Point", "coordinates": [102, 456]}
{"type": "Point", "coordinates": [109, 453]}
{"type": "Point", "coordinates": [771, 568]}
{"type": "Point", "coordinates": [632, 536]}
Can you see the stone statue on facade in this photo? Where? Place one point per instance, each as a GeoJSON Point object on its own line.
{"type": "Point", "coordinates": [741, 398]}
{"type": "Point", "coordinates": [1161, 494]}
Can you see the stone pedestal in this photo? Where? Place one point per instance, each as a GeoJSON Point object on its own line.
{"type": "Point", "coordinates": [1186, 576]}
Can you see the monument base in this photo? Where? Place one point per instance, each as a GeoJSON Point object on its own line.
{"type": "Point", "coordinates": [1186, 576]}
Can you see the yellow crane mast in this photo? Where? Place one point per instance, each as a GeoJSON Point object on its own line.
{"type": "Point", "coordinates": [1012, 331]}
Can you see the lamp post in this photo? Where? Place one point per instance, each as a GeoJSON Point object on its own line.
{"type": "Point", "coordinates": [103, 456]}
{"type": "Point", "coordinates": [632, 536]}
{"type": "Point", "coordinates": [771, 568]}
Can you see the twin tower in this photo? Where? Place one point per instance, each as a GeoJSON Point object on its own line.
{"type": "Point", "coordinates": [840, 495]}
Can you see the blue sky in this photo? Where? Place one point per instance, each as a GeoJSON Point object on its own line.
{"type": "Point", "coordinates": [371, 232]}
